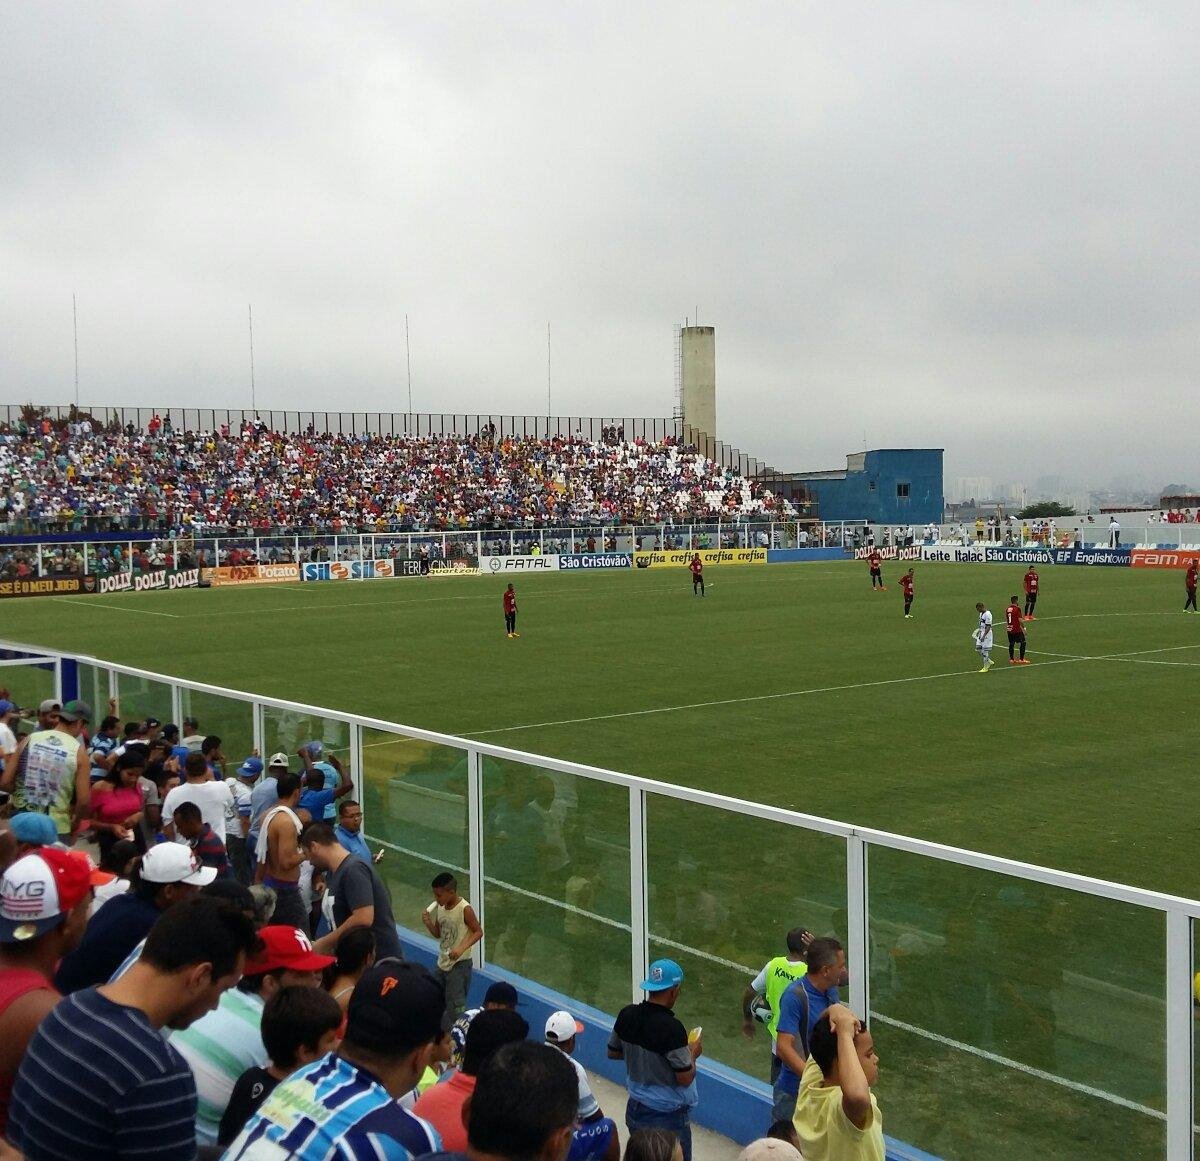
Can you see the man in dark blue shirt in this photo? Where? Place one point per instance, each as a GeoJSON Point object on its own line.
{"type": "Point", "coordinates": [98, 1079]}
{"type": "Point", "coordinates": [169, 873]}
{"type": "Point", "coordinates": [800, 1007]}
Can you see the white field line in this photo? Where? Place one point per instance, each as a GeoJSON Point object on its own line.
{"type": "Point", "coordinates": [87, 602]}
{"type": "Point", "coordinates": [749, 973]}
{"type": "Point", "coordinates": [670, 709]}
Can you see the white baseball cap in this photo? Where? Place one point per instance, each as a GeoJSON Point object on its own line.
{"type": "Point", "coordinates": [280, 759]}
{"type": "Point", "coordinates": [561, 1026]}
{"type": "Point", "coordinates": [175, 863]}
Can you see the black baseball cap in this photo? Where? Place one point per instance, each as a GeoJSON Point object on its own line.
{"type": "Point", "coordinates": [501, 992]}
{"type": "Point", "coordinates": [395, 1007]}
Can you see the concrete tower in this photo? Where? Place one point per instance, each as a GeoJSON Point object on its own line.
{"type": "Point", "coordinates": [698, 379]}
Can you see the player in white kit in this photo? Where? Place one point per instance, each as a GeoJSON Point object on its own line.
{"type": "Point", "coordinates": [983, 637]}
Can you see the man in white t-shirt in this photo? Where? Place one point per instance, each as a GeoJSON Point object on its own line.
{"type": "Point", "coordinates": [211, 797]}
{"type": "Point", "coordinates": [596, 1136]}
{"type": "Point", "coordinates": [983, 636]}
{"type": "Point", "coordinates": [8, 740]}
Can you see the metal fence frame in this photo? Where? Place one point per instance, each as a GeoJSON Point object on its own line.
{"type": "Point", "coordinates": [1179, 913]}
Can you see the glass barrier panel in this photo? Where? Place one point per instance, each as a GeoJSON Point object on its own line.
{"type": "Point", "coordinates": [142, 697]}
{"type": "Point", "coordinates": [285, 731]}
{"type": "Point", "coordinates": [225, 717]}
{"type": "Point", "coordinates": [723, 890]}
{"type": "Point", "coordinates": [1023, 1020]}
{"type": "Point", "coordinates": [556, 858]}
{"type": "Point", "coordinates": [28, 685]}
{"type": "Point", "coordinates": [93, 688]}
{"type": "Point", "coordinates": [415, 808]}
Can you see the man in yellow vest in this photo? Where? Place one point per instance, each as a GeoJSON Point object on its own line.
{"type": "Point", "coordinates": [775, 978]}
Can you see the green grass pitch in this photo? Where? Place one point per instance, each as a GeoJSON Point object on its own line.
{"type": "Point", "coordinates": [800, 687]}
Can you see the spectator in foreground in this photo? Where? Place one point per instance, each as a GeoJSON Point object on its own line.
{"type": "Point", "coordinates": [653, 1145]}
{"type": "Point", "coordinates": [168, 875]}
{"type": "Point", "coordinates": [523, 1106]}
{"type": "Point", "coordinates": [45, 898]}
{"type": "Point", "coordinates": [130, 1094]}
{"type": "Point", "coordinates": [220, 1046]}
{"type": "Point", "coordinates": [452, 921]}
{"type": "Point", "coordinates": [501, 994]}
{"type": "Point", "coordinates": [799, 1009]}
{"type": "Point", "coordinates": [360, 898]}
{"type": "Point", "coordinates": [660, 1057]}
{"type": "Point", "coordinates": [837, 1117]}
{"type": "Point", "coordinates": [442, 1105]}
{"type": "Point", "coordinates": [344, 1105]}
{"type": "Point", "coordinates": [299, 1025]}
{"type": "Point", "coordinates": [596, 1136]}
{"type": "Point", "coordinates": [770, 1149]}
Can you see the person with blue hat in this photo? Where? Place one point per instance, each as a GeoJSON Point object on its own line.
{"type": "Point", "coordinates": [32, 830]}
{"type": "Point", "coordinates": [660, 1057]}
{"type": "Point", "coordinates": [237, 816]}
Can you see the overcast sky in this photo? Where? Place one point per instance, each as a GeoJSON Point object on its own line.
{"type": "Point", "coordinates": [966, 225]}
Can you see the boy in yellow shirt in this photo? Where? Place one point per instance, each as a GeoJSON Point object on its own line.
{"type": "Point", "coordinates": [837, 1118]}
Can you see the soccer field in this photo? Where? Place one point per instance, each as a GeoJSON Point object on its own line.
{"type": "Point", "coordinates": [797, 686]}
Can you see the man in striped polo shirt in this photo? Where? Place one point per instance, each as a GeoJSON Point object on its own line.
{"type": "Point", "coordinates": [345, 1104]}
{"type": "Point", "coordinates": [99, 1080]}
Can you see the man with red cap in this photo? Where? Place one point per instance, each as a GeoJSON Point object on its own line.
{"type": "Point", "coordinates": [45, 897]}
{"type": "Point", "coordinates": [220, 1046]}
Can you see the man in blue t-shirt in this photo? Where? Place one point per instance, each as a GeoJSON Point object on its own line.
{"type": "Point", "coordinates": [800, 1007]}
{"type": "Point", "coordinates": [313, 756]}
{"type": "Point", "coordinates": [346, 1104]}
{"type": "Point", "coordinates": [318, 798]}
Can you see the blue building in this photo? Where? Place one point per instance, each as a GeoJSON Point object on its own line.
{"type": "Point", "coordinates": [887, 486]}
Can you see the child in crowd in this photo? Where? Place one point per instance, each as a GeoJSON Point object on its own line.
{"type": "Point", "coordinates": [452, 921]}
{"type": "Point", "coordinates": [210, 850]}
{"type": "Point", "coordinates": [299, 1025]}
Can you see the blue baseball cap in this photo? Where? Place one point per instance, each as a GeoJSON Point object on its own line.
{"type": "Point", "coordinates": [31, 827]}
{"type": "Point", "coordinates": [180, 752]}
{"type": "Point", "coordinates": [664, 974]}
{"type": "Point", "coordinates": [315, 749]}
{"type": "Point", "coordinates": [251, 768]}
{"type": "Point", "coordinates": [6, 707]}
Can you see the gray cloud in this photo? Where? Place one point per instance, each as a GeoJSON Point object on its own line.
{"type": "Point", "coordinates": [919, 223]}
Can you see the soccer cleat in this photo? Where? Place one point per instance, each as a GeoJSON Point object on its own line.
{"type": "Point", "coordinates": [1013, 661]}
{"type": "Point", "coordinates": [985, 669]}
{"type": "Point", "coordinates": [1023, 661]}
{"type": "Point", "coordinates": [509, 636]}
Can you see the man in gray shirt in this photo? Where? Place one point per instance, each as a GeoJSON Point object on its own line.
{"type": "Point", "coordinates": [360, 898]}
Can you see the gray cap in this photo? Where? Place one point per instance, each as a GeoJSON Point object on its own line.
{"type": "Point", "coordinates": [50, 705]}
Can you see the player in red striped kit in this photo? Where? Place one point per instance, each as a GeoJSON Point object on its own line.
{"type": "Point", "coordinates": [510, 612]}
{"type": "Point", "coordinates": [875, 560]}
{"type": "Point", "coordinates": [1189, 583]}
{"type": "Point", "coordinates": [906, 585]}
{"type": "Point", "coordinates": [697, 567]}
{"type": "Point", "coordinates": [1031, 592]}
{"type": "Point", "coordinates": [1016, 632]}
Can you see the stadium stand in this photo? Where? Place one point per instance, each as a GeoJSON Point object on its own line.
{"type": "Point", "coordinates": [71, 478]}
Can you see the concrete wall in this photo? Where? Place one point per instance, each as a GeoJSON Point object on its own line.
{"type": "Point", "coordinates": [700, 378]}
{"type": "Point", "coordinates": [869, 490]}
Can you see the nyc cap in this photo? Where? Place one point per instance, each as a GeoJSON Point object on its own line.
{"type": "Point", "coordinates": [664, 974]}
{"type": "Point", "coordinates": [40, 888]}
{"type": "Point", "coordinates": [561, 1026]}
{"type": "Point", "coordinates": [175, 863]}
{"type": "Point", "coordinates": [286, 947]}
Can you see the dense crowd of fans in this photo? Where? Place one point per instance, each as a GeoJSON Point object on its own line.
{"type": "Point", "coordinates": [65, 477]}
{"type": "Point", "coordinates": [229, 982]}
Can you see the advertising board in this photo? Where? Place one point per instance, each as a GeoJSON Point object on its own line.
{"type": "Point", "coordinates": [252, 574]}
{"type": "Point", "coordinates": [891, 553]}
{"type": "Point", "coordinates": [342, 570]}
{"type": "Point", "coordinates": [998, 555]}
{"type": "Point", "coordinates": [490, 565]}
{"type": "Point", "coordinates": [681, 558]}
{"type": "Point", "coordinates": [954, 554]}
{"type": "Point", "coordinates": [596, 560]}
{"type": "Point", "coordinates": [123, 582]}
{"type": "Point", "coordinates": [1161, 558]}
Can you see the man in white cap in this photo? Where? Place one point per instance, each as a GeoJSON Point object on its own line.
{"type": "Point", "coordinates": [169, 873]}
{"type": "Point", "coordinates": [596, 1136]}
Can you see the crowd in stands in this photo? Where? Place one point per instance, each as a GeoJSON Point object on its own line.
{"type": "Point", "coordinates": [64, 477]}
{"type": "Point", "coordinates": [228, 981]}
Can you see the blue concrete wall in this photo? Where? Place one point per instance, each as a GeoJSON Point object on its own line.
{"type": "Point", "coordinates": [870, 494]}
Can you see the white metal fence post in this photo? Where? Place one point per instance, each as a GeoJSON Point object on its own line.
{"type": "Point", "coordinates": [638, 905]}
{"type": "Point", "coordinates": [356, 761]}
{"type": "Point", "coordinates": [475, 848]}
{"type": "Point", "coordinates": [176, 704]}
{"type": "Point", "coordinates": [257, 726]}
{"type": "Point", "coordinates": [1180, 1085]}
{"type": "Point", "coordinates": [858, 922]}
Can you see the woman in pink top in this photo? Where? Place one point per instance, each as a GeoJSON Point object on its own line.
{"type": "Point", "coordinates": [118, 801]}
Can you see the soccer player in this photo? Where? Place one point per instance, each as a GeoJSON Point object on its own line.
{"type": "Point", "coordinates": [697, 567]}
{"type": "Point", "coordinates": [983, 636]}
{"type": "Point", "coordinates": [1031, 592]}
{"type": "Point", "coordinates": [1016, 632]}
{"type": "Point", "coordinates": [906, 584]}
{"type": "Point", "coordinates": [1189, 582]}
{"type": "Point", "coordinates": [875, 560]}
{"type": "Point", "coordinates": [510, 612]}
